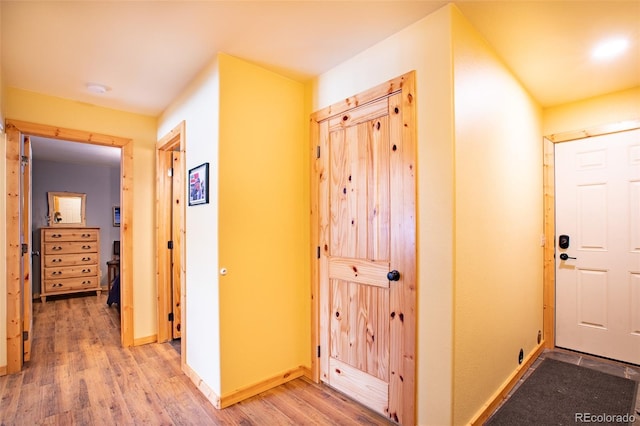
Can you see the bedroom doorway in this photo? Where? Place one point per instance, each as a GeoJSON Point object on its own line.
{"type": "Point", "coordinates": [16, 130]}
{"type": "Point", "coordinates": [170, 198]}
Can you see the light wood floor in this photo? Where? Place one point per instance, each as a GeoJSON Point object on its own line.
{"type": "Point", "coordinates": [80, 375]}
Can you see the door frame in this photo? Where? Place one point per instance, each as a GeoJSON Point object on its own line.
{"type": "Point", "coordinates": [406, 362]}
{"type": "Point", "coordinates": [27, 258]}
{"type": "Point", "coordinates": [14, 130]}
{"type": "Point", "coordinates": [172, 141]}
{"type": "Point", "coordinates": [549, 284]}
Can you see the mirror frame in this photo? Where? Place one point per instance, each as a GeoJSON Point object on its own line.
{"type": "Point", "coordinates": [83, 202]}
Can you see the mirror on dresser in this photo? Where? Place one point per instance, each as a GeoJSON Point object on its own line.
{"type": "Point", "coordinates": [67, 209]}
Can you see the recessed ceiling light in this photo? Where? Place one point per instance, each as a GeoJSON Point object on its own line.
{"type": "Point", "coordinates": [610, 48]}
{"type": "Point", "coordinates": [97, 88]}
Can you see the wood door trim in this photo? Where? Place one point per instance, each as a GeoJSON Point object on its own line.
{"type": "Point", "coordinates": [14, 129]}
{"type": "Point", "coordinates": [175, 139]}
{"type": "Point", "coordinates": [406, 84]}
{"type": "Point", "coordinates": [549, 284]}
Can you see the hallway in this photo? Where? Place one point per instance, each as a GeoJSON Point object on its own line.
{"type": "Point", "coordinates": [80, 375]}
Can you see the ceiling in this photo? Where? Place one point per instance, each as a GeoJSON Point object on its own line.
{"type": "Point", "coordinates": [146, 52]}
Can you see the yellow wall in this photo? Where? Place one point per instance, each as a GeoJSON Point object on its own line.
{"type": "Point", "coordinates": [426, 48]}
{"type": "Point", "coordinates": [498, 221]}
{"type": "Point", "coordinates": [264, 226]}
{"type": "Point", "coordinates": [593, 112]}
{"type": "Point", "coordinates": [37, 108]}
{"type": "Point", "coordinates": [252, 324]}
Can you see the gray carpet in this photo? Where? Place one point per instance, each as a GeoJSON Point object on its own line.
{"type": "Point", "coordinates": [559, 393]}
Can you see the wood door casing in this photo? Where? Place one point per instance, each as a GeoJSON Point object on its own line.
{"type": "Point", "coordinates": [170, 217]}
{"type": "Point", "coordinates": [363, 221]}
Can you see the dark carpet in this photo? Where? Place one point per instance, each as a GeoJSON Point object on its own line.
{"type": "Point", "coordinates": [559, 393]}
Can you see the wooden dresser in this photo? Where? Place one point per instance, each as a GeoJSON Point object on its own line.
{"type": "Point", "coordinates": [70, 261]}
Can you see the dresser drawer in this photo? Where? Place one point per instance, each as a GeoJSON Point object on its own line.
{"type": "Point", "coordinates": [71, 271]}
{"type": "Point", "coordinates": [70, 284]}
{"type": "Point", "coordinates": [70, 261]}
{"type": "Point", "coordinates": [52, 235]}
{"type": "Point", "coordinates": [57, 260]}
{"type": "Point", "coordinates": [70, 247]}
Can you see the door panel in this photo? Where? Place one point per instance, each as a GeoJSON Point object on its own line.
{"type": "Point", "coordinates": [359, 255]}
{"type": "Point", "coordinates": [598, 206]}
{"type": "Point", "coordinates": [367, 323]}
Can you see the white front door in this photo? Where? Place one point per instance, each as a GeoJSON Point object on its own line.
{"type": "Point", "coordinates": [598, 245]}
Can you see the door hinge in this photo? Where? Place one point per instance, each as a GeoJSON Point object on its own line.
{"type": "Point", "coordinates": [318, 351]}
{"type": "Point", "coordinates": [170, 245]}
{"type": "Point", "coordinates": [170, 316]}
{"type": "Point", "coordinates": [170, 172]}
{"type": "Point", "coordinates": [318, 151]}
{"type": "Point", "coordinates": [318, 252]}
{"type": "Point", "coordinates": [25, 336]}
{"type": "Point", "coordinates": [24, 160]}
{"type": "Point", "coordinates": [25, 248]}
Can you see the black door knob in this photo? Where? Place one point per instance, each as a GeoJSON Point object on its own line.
{"type": "Point", "coordinates": [393, 275]}
{"type": "Point", "coordinates": [565, 256]}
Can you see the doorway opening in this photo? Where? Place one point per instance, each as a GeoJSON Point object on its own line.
{"type": "Point", "coordinates": [170, 222]}
{"type": "Point", "coordinates": [549, 190]}
{"type": "Point", "coordinates": [16, 303]}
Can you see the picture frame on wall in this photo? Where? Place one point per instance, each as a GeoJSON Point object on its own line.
{"type": "Point", "coordinates": [199, 185]}
{"type": "Point", "coordinates": [116, 216]}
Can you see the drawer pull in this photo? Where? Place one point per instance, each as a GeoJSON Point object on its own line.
{"type": "Point", "coordinates": [86, 235]}
{"type": "Point", "coordinates": [86, 259]}
{"type": "Point", "coordinates": [56, 248]}
{"type": "Point", "coordinates": [56, 260]}
{"type": "Point", "coordinates": [56, 273]}
{"type": "Point", "coordinates": [56, 235]}
{"type": "Point", "coordinates": [86, 282]}
{"type": "Point", "coordinates": [57, 285]}
{"type": "Point", "coordinates": [86, 271]}
{"type": "Point", "coordinates": [86, 247]}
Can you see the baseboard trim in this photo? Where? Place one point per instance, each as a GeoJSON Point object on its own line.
{"type": "Point", "coordinates": [265, 385]}
{"type": "Point", "coordinates": [488, 408]}
{"type": "Point", "coordinates": [202, 386]}
{"type": "Point", "coordinates": [242, 393]}
{"type": "Point", "coordinates": [145, 340]}
{"type": "Point", "coordinates": [3, 370]}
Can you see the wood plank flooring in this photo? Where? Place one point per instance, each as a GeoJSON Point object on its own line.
{"type": "Point", "coordinates": [79, 375]}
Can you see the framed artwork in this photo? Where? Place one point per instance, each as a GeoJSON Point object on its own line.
{"type": "Point", "coordinates": [116, 216]}
{"type": "Point", "coordinates": [199, 185]}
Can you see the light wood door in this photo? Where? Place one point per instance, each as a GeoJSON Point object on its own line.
{"type": "Point", "coordinates": [598, 274]}
{"type": "Point", "coordinates": [169, 211]}
{"type": "Point", "coordinates": [27, 246]}
{"type": "Point", "coordinates": [176, 204]}
{"type": "Point", "coordinates": [170, 216]}
{"type": "Point", "coordinates": [367, 255]}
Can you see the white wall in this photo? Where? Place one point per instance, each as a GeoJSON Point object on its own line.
{"type": "Point", "coordinates": [198, 106]}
